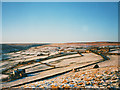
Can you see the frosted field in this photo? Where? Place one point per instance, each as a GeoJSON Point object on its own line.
{"type": "Point", "coordinates": [91, 78]}
{"type": "Point", "coordinates": [107, 76]}
{"type": "Point", "coordinates": [88, 57]}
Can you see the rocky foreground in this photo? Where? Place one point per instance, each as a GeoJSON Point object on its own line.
{"type": "Point", "coordinates": [107, 77]}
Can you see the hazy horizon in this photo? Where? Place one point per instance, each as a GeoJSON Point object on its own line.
{"type": "Point", "coordinates": [54, 42]}
{"type": "Point", "coordinates": [59, 22]}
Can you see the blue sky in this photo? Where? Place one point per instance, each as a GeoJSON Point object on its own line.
{"type": "Point", "coordinates": [59, 21]}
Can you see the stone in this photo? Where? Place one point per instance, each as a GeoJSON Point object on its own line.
{"type": "Point", "coordinates": [114, 78]}
{"type": "Point", "coordinates": [96, 66]}
{"type": "Point", "coordinates": [80, 83]}
{"type": "Point", "coordinates": [88, 83]}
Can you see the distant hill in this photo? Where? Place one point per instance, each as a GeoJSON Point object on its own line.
{"type": "Point", "coordinates": [89, 43]}
{"type": "Point", "coordinates": [7, 48]}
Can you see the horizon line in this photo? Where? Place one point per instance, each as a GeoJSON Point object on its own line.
{"type": "Point", "coordinates": [52, 42]}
